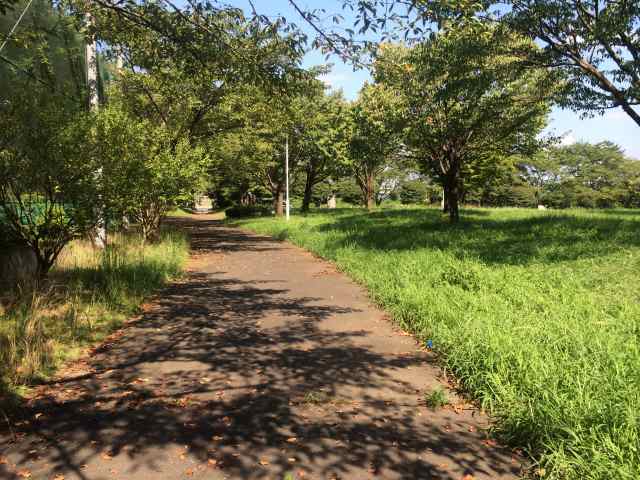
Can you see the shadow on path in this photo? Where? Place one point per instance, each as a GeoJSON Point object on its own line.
{"type": "Point", "coordinates": [235, 375]}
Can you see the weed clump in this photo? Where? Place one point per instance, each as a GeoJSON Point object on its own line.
{"type": "Point", "coordinates": [88, 295]}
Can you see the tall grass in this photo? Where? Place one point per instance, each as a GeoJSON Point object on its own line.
{"type": "Point", "coordinates": [537, 313]}
{"type": "Point", "coordinates": [88, 295]}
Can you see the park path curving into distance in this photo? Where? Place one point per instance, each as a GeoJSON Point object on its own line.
{"type": "Point", "coordinates": [264, 362]}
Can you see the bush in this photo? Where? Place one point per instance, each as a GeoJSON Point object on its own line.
{"type": "Point", "coordinates": [246, 211]}
{"type": "Point", "coordinates": [348, 191]}
{"type": "Point", "coordinates": [413, 191]}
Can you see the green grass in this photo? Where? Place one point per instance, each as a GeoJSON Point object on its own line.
{"type": "Point", "coordinates": [436, 398]}
{"type": "Point", "coordinates": [88, 295]}
{"type": "Point", "coordinates": [537, 313]}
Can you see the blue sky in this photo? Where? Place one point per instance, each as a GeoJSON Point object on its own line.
{"type": "Point", "coordinates": [615, 125]}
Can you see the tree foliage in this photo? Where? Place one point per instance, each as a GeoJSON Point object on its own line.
{"type": "Point", "coordinates": [583, 175]}
{"type": "Point", "coordinates": [48, 189]}
{"type": "Point", "coordinates": [595, 43]}
{"type": "Point", "coordinates": [470, 99]}
{"type": "Point", "coordinates": [375, 137]}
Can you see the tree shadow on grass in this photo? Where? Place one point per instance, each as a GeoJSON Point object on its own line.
{"type": "Point", "coordinates": [200, 386]}
{"type": "Point", "coordinates": [541, 238]}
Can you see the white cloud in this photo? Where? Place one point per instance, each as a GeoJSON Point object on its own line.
{"type": "Point", "coordinates": [568, 139]}
{"type": "Point", "coordinates": [334, 80]}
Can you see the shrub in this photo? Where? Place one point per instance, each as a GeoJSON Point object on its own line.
{"type": "Point", "coordinates": [413, 191]}
{"type": "Point", "coordinates": [246, 211]}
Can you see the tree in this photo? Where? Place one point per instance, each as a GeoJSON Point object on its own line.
{"type": "Point", "coordinates": [470, 98]}
{"type": "Point", "coordinates": [146, 170]}
{"type": "Point", "coordinates": [582, 175]}
{"type": "Point", "coordinates": [414, 192]}
{"type": "Point", "coordinates": [253, 156]}
{"type": "Point", "coordinates": [595, 43]}
{"type": "Point", "coordinates": [48, 188]}
{"type": "Point", "coordinates": [185, 67]}
{"type": "Point", "coordinates": [325, 137]}
{"type": "Point", "coordinates": [375, 136]}
{"type": "Point", "coordinates": [7, 5]}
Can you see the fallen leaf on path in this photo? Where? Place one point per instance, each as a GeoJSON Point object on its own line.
{"type": "Point", "coordinates": [189, 472]}
{"type": "Point", "coordinates": [106, 456]}
{"type": "Point", "coordinates": [468, 476]}
{"type": "Point", "coordinates": [24, 473]}
{"type": "Point", "coordinates": [264, 462]}
{"type": "Point", "coordinates": [212, 462]}
{"type": "Point", "coordinates": [292, 440]}
{"type": "Point", "coordinates": [59, 477]}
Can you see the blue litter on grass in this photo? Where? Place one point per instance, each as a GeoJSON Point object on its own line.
{"type": "Point", "coordinates": [429, 343]}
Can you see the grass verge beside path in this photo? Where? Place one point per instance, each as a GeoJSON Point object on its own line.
{"type": "Point", "coordinates": [537, 313]}
{"type": "Point", "coordinates": [88, 295]}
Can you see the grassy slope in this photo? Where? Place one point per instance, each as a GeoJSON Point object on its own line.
{"type": "Point", "coordinates": [536, 312]}
{"type": "Point", "coordinates": [88, 296]}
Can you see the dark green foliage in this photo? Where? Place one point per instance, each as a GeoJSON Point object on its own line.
{"type": "Point", "coordinates": [7, 5]}
{"type": "Point", "coordinates": [414, 191]}
{"type": "Point", "coordinates": [583, 175]}
{"type": "Point", "coordinates": [244, 211]}
{"type": "Point", "coordinates": [348, 191]}
{"type": "Point", "coordinates": [48, 185]}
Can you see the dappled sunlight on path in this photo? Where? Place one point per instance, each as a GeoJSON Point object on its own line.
{"type": "Point", "coordinates": [262, 362]}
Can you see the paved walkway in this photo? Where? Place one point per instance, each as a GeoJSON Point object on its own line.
{"type": "Point", "coordinates": [264, 362]}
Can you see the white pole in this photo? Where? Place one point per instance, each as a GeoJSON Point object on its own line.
{"type": "Point", "coordinates": [91, 58]}
{"type": "Point", "coordinates": [286, 173]}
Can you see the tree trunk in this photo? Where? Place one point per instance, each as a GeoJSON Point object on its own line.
{"type": "Point", "coordinates": [150, 218]}
{"type": "Point", "coordinates": [445, 197]}
{"type": "Point", "coordinates": [452, 196]}
{"type": "Point", "coordinates": [279, 203]}
{"type": "Point", "coordinates": [308, 190]}
{"type": "Point", "coordinates": [91, 61]}
{"type": "Point", "coordinates": [369, 192]}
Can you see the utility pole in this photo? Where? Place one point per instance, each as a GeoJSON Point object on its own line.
{"type": "Point", "coordinates": [286, 174]}
{"type": "Point", "coordinates": [91, 60]}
